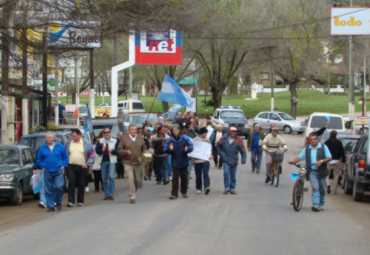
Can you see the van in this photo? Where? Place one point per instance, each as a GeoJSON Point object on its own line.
{"type": "Point", "coordinates": [328, 120]}
{"type": "Point", "coordinates": [131, 106]}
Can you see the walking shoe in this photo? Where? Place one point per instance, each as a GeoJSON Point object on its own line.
{"type": "Point", "coordinates": [321, 208]}
{"type": "Point", "coordinates": [206, 192]}
{"type": "Point", "coordinates": [70, 205]}
{"type": "Point", "coordinates": [314, 209]}
{"type": "Point", "coordinates": [232, 192]}
{"type": "Point", "coordinates": [173, 197]}
{"type": "Point", "coordinates": [58, 208]}
{"type": "Point", "coordinates": [80, 204]}
{"type": "Point", "coordinates": [185, 196]}
{"type": "Point", "coordinates": [166, 182]}
{"type": "Point", "coordinates": [51, 210]}
{"type": "Point", "coordinates": [199, 191]}
{"type": "Point", "coordinates": [41, 205]}
{"type": "Point", "coordinates": [267, 179]}
{"type": "Point", "coordinates": [132, 201]}
{"type": "Point", "coordinates": [87, 189]}
{"type": "Point", "coordinates": [226, 192]}
{"type": "Point", "coordinates": [329, 189]}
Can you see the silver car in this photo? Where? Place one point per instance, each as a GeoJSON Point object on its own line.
{"type": "Point", "coordinates": [284, 121]}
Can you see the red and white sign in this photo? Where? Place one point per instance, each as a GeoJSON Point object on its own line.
{"type": "Point", "coordinates": [158, 48]}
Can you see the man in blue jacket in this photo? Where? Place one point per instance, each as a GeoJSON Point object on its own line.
{"type": "Point", "coordinates": [179, 146]}
{"type": "Point", "coordinates": [229, 147]}
{"type": "Point", "coordinates": [52, 158]}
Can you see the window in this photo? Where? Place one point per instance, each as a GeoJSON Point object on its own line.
{"type": "Point", "coordinates": [232, 115]}
{"type": "Point", "coordinates": [364, 147]}
{"type": "Point", "coordinates": [137, 106]}
{"type": "Point", "coordinates": [26, 157]}
{"type": "Point", "coordinates": [285, 116]}
{"type": "Point", "coordinates": [329, 122]}
{"type": "Point", "coordinates": [9, 156]}
{"type": "Point", "coordinates": [264, 115]}
{"type": "Point", "coordinates": [275, 117]}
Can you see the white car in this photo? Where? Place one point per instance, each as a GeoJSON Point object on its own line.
{"type": "Point", "coordinates": [282, 120]}
{"type": "Point", "coordinates": [331, 121]}
{"type": "Point", "coordinates": [131, 106]}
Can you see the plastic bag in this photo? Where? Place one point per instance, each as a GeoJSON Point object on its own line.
{"type": "Point", "coordinates": [294, 176]}
{"type": "Point", "coordinates": [36, 182]}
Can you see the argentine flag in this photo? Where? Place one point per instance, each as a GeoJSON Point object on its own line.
{"type": "Point", "coordinates": [171, 92]}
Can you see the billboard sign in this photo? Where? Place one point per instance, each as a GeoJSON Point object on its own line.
{"type": "Point", "coordinates": [74, 34]}
{"type": "Point", "coordinates": [350, 21]}
{"type": "Point", "coordinates": [158, 48]}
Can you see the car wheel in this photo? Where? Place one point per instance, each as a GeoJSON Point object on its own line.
{"type": "Point", "coordinates": [357, 192]}
{"type": "Point", "coordinates": [287, 130]}
{"type": "Point", "coordinates": [347, 187]}
{"type": "Point", "coordinates": [17, 198]}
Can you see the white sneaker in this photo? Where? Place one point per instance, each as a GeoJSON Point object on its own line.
{"type": "Point", "coordinates": [199, 191]}
{"type": "Point", "coordinates": [87, 189]}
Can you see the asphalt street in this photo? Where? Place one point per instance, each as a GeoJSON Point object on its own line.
{"type": "Point", "coordinates": [258, 220]}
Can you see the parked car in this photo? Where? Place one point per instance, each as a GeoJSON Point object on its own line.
{"type": "Point", "coordinates": [357, 174]}
{"type": "Point", "coordinates": [16, 171]}
{"type": "Point", "coordinates": [34, 140]}
{"type": "Point", "coordinates": [328, 120]}
{"type": "Point", "coordinates": [139, 119]}
{"type": "Point", "coordinates": [230, 116]}
{"type": "Point", "coordinates": [284, 121]}
{"type": "Point", "coordinates": [131, 106]}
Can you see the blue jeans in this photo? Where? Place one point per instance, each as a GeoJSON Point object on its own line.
{"type": "Point", "coordinates": [229, 177]}
{"type": "Point", "coordinates": [256, 159]}
{"type": "Point", "coordinates": [42, 190]}
{"type": "Point", "coordinates": [108, 180]}
{"type": "Point", "coordinates": [168, 166]}
{"type": "Point", "coordinates": [54, 188]}
{"type": "Point", "coordinates": [202, 175]}
{"type": "Point", "coordinates": [318, 189]}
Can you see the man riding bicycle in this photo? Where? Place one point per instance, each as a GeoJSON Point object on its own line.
{"type": "Point", "coordinates": [273, 143]}
{"type": "Point", "coordinates": [317, 156]}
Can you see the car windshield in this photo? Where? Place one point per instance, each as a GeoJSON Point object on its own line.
{"type": "Point", "coordinates": [348, 143]}
{"type": "Point", "coordinates": [285, 116]}
{"type": "Point", "coordinates": [35, 141]}
{"type": "Point", "coordinates": [140, 119]}
{"type": "Point", "coordinates": [232, 115]}
{"type": "Point", "coordinates": [137, 106]}
{"type": "Point", "coordinates": [329, 122]}
{"type": "Point", "coordinates": [9, 156]}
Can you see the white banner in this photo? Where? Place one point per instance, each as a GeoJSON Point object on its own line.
{"type": "Point", "coordinates": [350, 21]}
{"type": "Point", "coordinates": [202, 150]}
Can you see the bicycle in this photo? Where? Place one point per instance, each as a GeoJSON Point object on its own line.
{"type": "Point", "coordinates": [298, 177]}
{"type": "Point", "coordinates": [277, 158]}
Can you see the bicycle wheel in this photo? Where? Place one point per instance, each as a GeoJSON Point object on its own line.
{"type": "Point", "coordinates": [298, 194]}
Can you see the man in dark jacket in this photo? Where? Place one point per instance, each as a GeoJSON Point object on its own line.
{"type": "Point", "coordinates": [229, 147]}
{"type": "Point", "coordinates": [339, 158]}
{"type": "Point", "coordinates": [179, 146]}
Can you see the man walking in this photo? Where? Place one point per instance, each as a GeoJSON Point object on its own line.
{"type": "Point", "coordinates": [52, 158]}
{"type": "Point", "coordinates": [160, 157]}
{"type": "Point", "coordinates": [131, 149]}
{"type": "Point", "coordinates": [229, 147]}
{"type": "Point", "coordinates": [81, 159]}
{"type": "Point", "coordinates": [335, 166]}
{"type": "Point", "coordinates": [179, 146]}
{"type": "Point", "coordinates": [215, 138]}
{"type": "Point", "coordinates": [107, 149]}
{"type": "Point", "coordinates": [201, 166]}
{"type": "Point", "coordinates": [255, 147]}
{"type": "Point", "coordinates": [317, 156]}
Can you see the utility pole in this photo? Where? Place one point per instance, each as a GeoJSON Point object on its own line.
{"type": "Point", "coordinates": [77, 85]}
{"type": "Point", "coordinates": [130, 82]}
{"type": "Point", "coordinates": [364, 92]}
{"type": "Point", "coordinates": [351, 98]}
{"type": "Point", "coordinates": [92, 85]}
{"type": "Point", "coordinates": [25, 99]}
{"type": "Point", "coordinates": [45, 108]}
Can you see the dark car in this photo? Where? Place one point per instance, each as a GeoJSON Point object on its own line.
{"type": "Point", "coordinates": [357, 174]}
{"type": "Point", "coordinates": [34, 140]}
{"type": "Point", "coordinates": [16, 163]}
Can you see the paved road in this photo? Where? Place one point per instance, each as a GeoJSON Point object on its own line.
{"type": "Point", "coordinates": [259, 220]}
